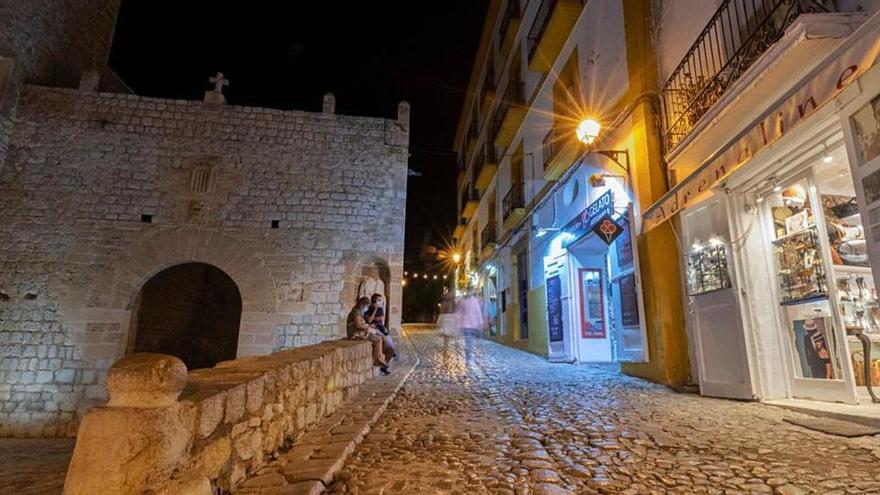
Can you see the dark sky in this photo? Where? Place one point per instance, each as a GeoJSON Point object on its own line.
{"type": "Point", "coordinates": [287, 54]}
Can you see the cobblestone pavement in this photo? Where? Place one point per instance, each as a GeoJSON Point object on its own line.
{"type": "Point", "coordinates": [477, 417]}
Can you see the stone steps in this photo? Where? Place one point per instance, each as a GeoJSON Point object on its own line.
{"type": "Point", "coordinates": [311, 464]}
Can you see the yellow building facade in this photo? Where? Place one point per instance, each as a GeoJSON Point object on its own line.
{"type": "Point", "coordinates": [532, 196]}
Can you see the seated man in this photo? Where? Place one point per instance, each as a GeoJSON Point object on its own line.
{"type": "Point", "coordinates": [376, 316]}
{"type": "Point", "coordinates": [357, 329]}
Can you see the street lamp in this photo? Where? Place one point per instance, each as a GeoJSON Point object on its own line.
{"type": "Point", "coordinates": [456, 258]}
{"type": "Point", "coordinates": [587, 132]}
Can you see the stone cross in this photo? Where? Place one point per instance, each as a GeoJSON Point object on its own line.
{"type": "Point", "coordinates": [216, 96]}
{"type": "Point", "coordinates": [218, 81]}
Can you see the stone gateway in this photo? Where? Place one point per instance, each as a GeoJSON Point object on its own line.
{"type": "Point", "coordinates": [104, 193]}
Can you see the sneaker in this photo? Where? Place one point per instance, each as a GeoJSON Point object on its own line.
{"type": "Point", "coordinates": [385, 371]}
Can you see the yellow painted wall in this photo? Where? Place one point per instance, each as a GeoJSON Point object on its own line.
{"type": "Point", "coordinates": [658, 251]}
{"type": "Point", "coordinates": [538, 331]}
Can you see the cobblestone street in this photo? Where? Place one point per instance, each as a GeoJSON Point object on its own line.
{"type": "Point", "coordinates": [477, 417]}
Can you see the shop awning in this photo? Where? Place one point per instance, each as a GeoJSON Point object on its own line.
{"type": "Point", "coordinates": [842, 65]}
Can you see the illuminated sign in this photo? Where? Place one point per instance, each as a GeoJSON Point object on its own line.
{"type": "Point", "coordinates": [587, 219]}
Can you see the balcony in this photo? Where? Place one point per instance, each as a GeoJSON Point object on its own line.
{"type": "Point", "coordinates": [458, 233]}
{"type": "Point", "coordinates": [509, 25]}
{"type": "Point", "coordinates": [560, 151]}
{"type": "Point", "coordinates": [488, 240]}
{"type": "Point", "coordinates": [510, 114]}
{"type": "Point", "coordinates": [552, 25]}
{"type": "Point", "coordinates": [736, 36]}
{"type": "Point", "coordinates": [513, 208]}
{"type": "Point", "coordinates": [488, 167]}
{"type": "Point", "coordinates": [469, 203]}
{"type": "Point", "coordinates": [473, 133]}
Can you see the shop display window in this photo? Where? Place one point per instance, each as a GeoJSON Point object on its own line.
{"type": "Point", "coordinates": [707, 269]}
{"type": "Point", "coordinates": [801, 274]}
{"type": "Point", "coordinates": [857, 301]}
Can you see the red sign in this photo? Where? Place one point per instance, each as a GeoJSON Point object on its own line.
{"type": "Point", "coordinates": [607, 229]}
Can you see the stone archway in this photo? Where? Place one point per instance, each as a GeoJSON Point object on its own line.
{"type": "Point", "coordinates": [191, 311]}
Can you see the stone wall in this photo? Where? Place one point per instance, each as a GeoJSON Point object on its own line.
{"type": "Point", "coordinates": [54, 41]}
{"type": "Point", "coordinates": [102, 191]}
{"type": "Point", "coordinates": [51, 43]}
{"type": "Point", "coordinates": [227, 423]}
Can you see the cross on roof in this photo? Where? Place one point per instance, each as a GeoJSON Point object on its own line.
{"type": "Point", "coordinates": [218, 81]}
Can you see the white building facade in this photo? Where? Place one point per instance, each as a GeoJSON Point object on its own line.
{"type": "Point", "coordinates": [771, 143]}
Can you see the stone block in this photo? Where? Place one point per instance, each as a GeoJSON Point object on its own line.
{"type": "Point", "coordinates": [211, 412]}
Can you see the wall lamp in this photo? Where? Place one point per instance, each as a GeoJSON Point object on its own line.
{"type": "Point", "coordinates": [542, 231]}
{"type": "Point", "coordinates": [587, 132]}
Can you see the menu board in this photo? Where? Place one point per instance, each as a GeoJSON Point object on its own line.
{"type": "Point", "coordinates": [629, 301]}
{"type": "Point", "coordinates": [624, 244]}
{"type": "Point", "coordinates": [554, 308]}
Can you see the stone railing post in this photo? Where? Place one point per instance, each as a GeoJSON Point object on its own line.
{"type": "Point", "coordinates": [134, 443]}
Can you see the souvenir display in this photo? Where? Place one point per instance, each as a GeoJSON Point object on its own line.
{"type": "Point", "coordinates": [814, 343]}
{"type": "Point", "coordinates": [845, 233]}
{"type": "Point", "coordinates": [800, 271]}
{"type": "Point", "coordinates": [858, 302]}
{"type": "Point", "coordinates": [707, 269]}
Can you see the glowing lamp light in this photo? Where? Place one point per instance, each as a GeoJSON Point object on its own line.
{"type": "Point", "coordinates": [588, 130]}
{"type": "Point", "coordinates": [403, 283]}
{"type": "Point", "coordinates": [456, 257]}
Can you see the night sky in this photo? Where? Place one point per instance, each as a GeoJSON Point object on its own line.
{"type": "Point", "coordinates": [286, 55]}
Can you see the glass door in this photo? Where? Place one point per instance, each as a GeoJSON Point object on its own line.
{"type": "Point", "coordinates": [813, 333]}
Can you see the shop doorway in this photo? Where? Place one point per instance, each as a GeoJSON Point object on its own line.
{"type": "Point", "coordinates": [191, 311]}
{"type": "Point", "coordinates": [716, 330]}
{"type": "Point", "coordinates": [590, 315]}
{"type": "Point", "coordinates": [824, 282]}
{"type": "Point", "coordinates": [594, 302]}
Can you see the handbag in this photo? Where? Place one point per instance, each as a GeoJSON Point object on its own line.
{"type": "Point", "coordinates": [846, 209]}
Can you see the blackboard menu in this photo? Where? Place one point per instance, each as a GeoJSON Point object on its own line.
{"type": "Point", "coordinates": [624, 244]}
{"type": "Point", "coordinates": [629, 301]}
{"type": "Point", "coordinates": [554, 308]}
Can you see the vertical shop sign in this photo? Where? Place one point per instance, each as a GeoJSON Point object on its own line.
{"type": "Point", "coordinates": [554, 308]}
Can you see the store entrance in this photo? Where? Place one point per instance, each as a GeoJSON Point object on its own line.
{"type": "Point", "coordinates": [590, 314]}
{"type": "Point", "coordinates": [825, 285]}
{"type": "Point", "coordinates": [713, 315]}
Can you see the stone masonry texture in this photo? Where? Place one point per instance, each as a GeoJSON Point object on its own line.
{"type": "Point", "coordinates": [51, 43]}
{"type": "Point", "coordinates": [101, 191]}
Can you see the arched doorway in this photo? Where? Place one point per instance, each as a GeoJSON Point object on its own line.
{"type": "Point", "coordinates": [191, 311]}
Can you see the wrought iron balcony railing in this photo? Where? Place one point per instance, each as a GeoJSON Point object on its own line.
{"type": "Point", "coordinates": [539, 25]}
{"type": "Point", "coordinates": [738, 33]}
{"type": "Point", "coordinates": [470, 194]}
{"type": "Point", "coordinates": [487, 236]}
{"type": "Point", "coordinates": [551, 147]}
{"type": "Point", "coordinates": [514, 95]}
{"type": "Point", "coordinates": [513, 200]}
{"type": "Point", "coordinates": [511, 12]}
{"type": "Point", "coordinates": [479, 163]}
{"type": "Point", "coordinates": [492, 155]}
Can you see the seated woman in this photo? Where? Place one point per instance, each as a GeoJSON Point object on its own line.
{"type": "Point", "coordinates": [358, 329]}
{"type": "Point", "coordinates": [375, 316]}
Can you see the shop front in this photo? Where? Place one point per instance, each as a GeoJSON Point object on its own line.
{"type": "Point", "coordinates": [590, 266]}
{"type": "Point", "coordinates": [781, 248]}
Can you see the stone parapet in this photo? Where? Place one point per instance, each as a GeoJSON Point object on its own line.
{"type": "Point", "coordinates": [227, 422]}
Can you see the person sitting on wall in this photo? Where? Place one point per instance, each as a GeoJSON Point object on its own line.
{"type": "Point", "coordinates": [357, 329]}
{"type": "Point", "coordinates": [375, 316]}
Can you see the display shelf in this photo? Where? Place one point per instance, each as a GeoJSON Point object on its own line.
{"type": "Point", "coordinates": [852, 269]}
{"type": "Point", "coordinates": [800, 271]}
{"type": "Point", "coordinates": [855, 218]}
{"type": "Point", "coordinates": [781, 239]}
